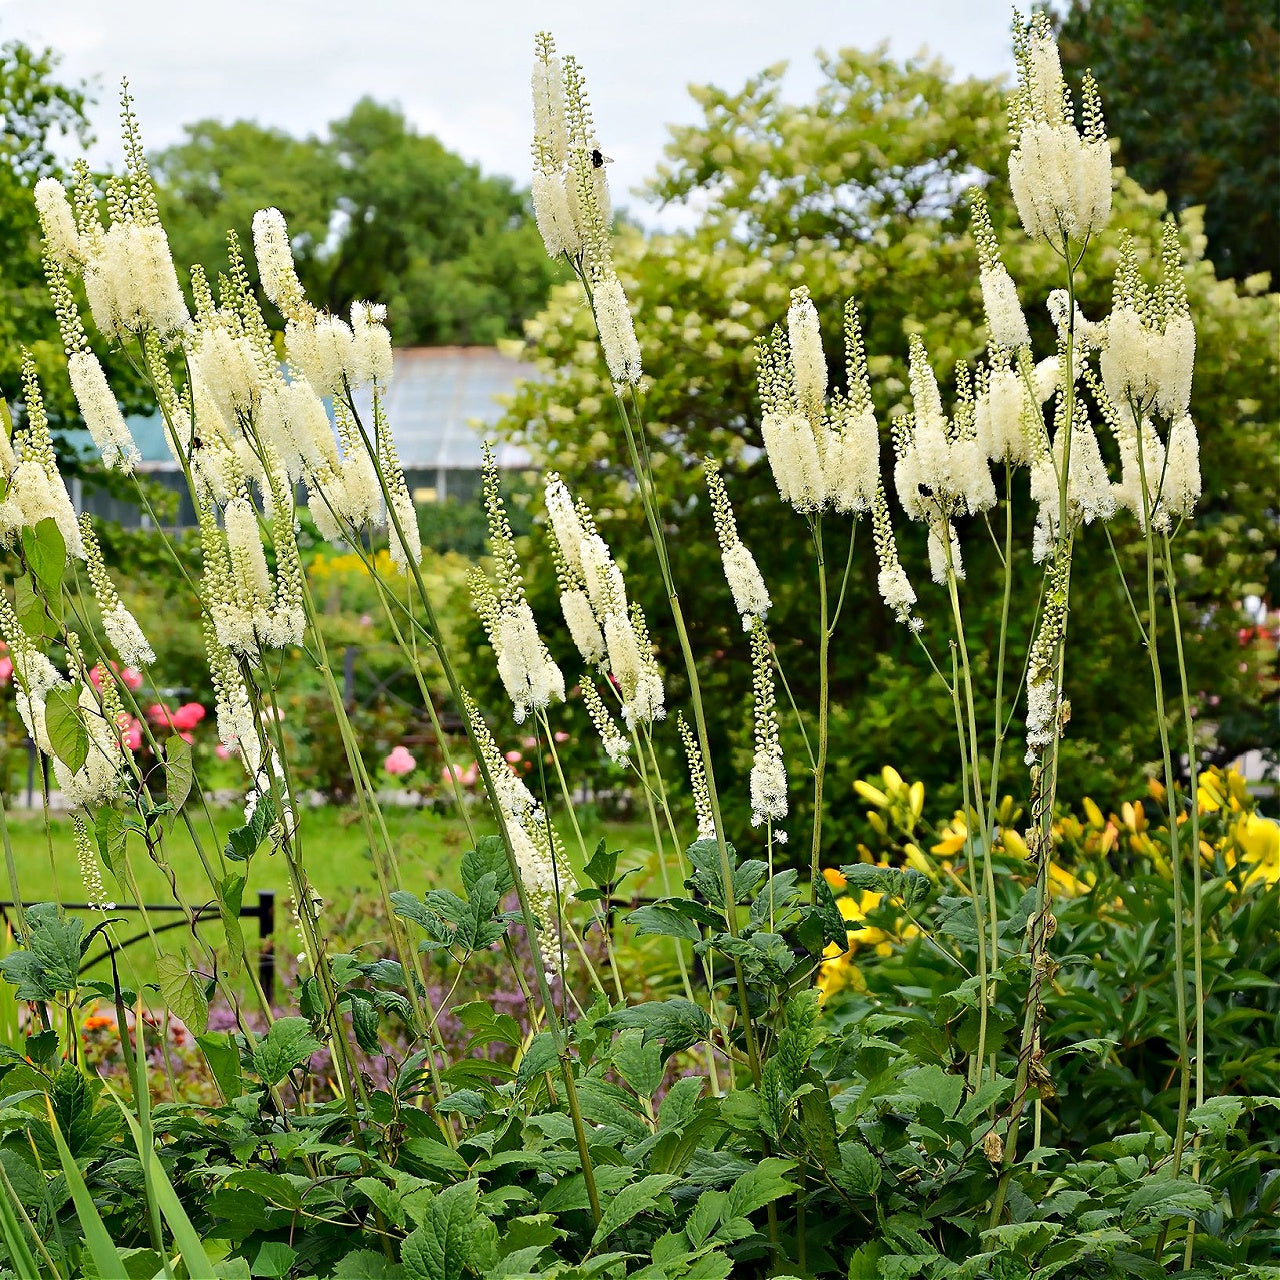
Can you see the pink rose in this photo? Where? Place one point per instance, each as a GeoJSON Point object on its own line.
{"type": "Point", "coordinates": [188, 716]}
{"type": "Point", "coordinates": [222, 751]}
{"type": "Point", "coordinates": [131, 678]}
{"type": "Point", "coordinates": [399, 762]}
{"type": "Point", "coordinates": [513, 757]}
{"type": "Point", "coordinates": [6, 669]}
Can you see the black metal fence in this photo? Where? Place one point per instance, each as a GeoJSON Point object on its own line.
{"type": "Point", "coordinates": [264, 913]}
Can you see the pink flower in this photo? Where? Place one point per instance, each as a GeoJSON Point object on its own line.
{"type": "Point", "coordinates": [222, 751]}
{"type": "Point", "coordinates": [513, 757]}
{"type": "Point", "coordinates": [159, 714]}
{"type": "Point", "coordinates": [561, 737]}
{"type": "Point", "coordinates": [130, 730]}
{"type": "Point", "coordinates": [131, 678]}
{"type": "Point", "coordinates": [188, 716]}
{"type": "Point", "coordinates": [6, 669]}
{"type": "Point", "coordinates": [466, 777]}
{"type": "Point", "coordinates": [399, 762]}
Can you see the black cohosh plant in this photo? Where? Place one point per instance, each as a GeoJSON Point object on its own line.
{"type": "Point", "coordinates": [732, 1126]}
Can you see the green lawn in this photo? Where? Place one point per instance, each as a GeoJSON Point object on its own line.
{"type": "Point", "coordinates": [428, 850]}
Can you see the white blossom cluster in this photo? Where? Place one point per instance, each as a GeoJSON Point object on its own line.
{"type": "Point", "coordinates": [571, 203]}
{"type": "Point", "coordinates": [768, 770]}
{"type": "Point", "coordinates": [697, 780]}
{"type": "Point", "coordinates": [129, 277]}
{"type": "Point", "coordinates": [608, 631]}
{"type": "Point", "coordinates": [1060, 178]}
{"type": "Point", "coordinates": [529, 674]}
{"type": "Point", "coordinates": [750, 595]}
{"type": "Point", "coordinates": [123, 632]}
{"type": "Point", "coordinates": [539, 852]}
{"type": "Point", "coordinates": [35, 488]}
{"type": "Point", "coordinates": [823, 451]}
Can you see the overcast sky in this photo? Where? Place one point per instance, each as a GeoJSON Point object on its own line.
{"type": "Point", "coordinates": [460, 69]}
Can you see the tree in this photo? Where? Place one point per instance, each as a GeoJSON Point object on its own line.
{"type": "Point", "coordinates": [376, 211]}
{"type": "Point", "coordinates": [1199, 119]}
{"type": "Point", "coordinates": [872, 176]}
{"type": "Point", "coordinates": [37, 108]}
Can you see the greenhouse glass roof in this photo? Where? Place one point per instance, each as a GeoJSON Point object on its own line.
{"type": "Point", "coordinates": [439, 404]}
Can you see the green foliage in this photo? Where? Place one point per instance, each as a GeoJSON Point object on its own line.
{"type": "Point", "coordinates": [1199, 119]}
{"type": "Point", "coordinates": [376, 210]}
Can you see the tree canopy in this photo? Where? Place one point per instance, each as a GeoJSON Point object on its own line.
{"type": "Point", "coordinates": [1200, 121]}
{"type": "Point", "coordinates": [874, 183]}
{"type": "Point", "coordinates": [36, 108]}
{"type": "Point", "coordinates": [376, 210]}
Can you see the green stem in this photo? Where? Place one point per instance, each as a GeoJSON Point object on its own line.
{"type": "Point", "coordinates": [824, 699]}
{"type": "Point", "coordinates": [1197, 887]}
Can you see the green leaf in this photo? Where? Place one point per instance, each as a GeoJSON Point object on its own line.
{"type": "Point", "coordinates": [540, 1056]}
{"type": "Point", "coordinates": [904, 883]}
{"type": "Point", "coordinates": [244, 842]}
{"type": "Point", "coordinates": [489, 857]}
{"type": "Point", "coordinates": [287, 1045]}
{"type": "Point", "coordinates": [364, 1021]}
{"type": "Point", "coordinates": [602, 867]}
{"type": "Point", "coordinates": [487, 1025]}
{"type": "Point", "coordinates": [45, 551]}
{"type": "Point", "coordinates": [367, 1264]}
{"type": "Point", "coordinates": [834, 928]}
{"type": "Point", "coordinates": [50, 963]}
{"type": "Point", "coordinates": [230, 894]}
{"type": "Point", "coordinates": [677, 1022]}
{"type": "Point", "coordinates": [758, 1188]}
{"type": "Point", "coordinates": [664, 920]}
{"type": "Point", "coordinates": [183, 990]}
{"type": "Point", "coordinates": [111, 833]}
{"type": "Point", "coordinates": [638, 1062]}
{"type": "Point", "coordinates": [275, 1258]}
{"type": "Point", "coordinates": [858, 1171]}
{"type": "Point", "coordinates": [179, 771]}
{"type": "Point", "coordinates": [223, 1056]}
{"type": "Point", "coordinates": [438, 1249]}
{"type": "Point", "coordinates": [68, 734]}
{"type": "Point", "coordinates": [629, 1203]}
{"type": "Point", "coordinates": [680, 1103]}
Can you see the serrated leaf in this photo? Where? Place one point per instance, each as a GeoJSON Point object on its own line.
{"type": "Point", "coordinates": [274, 1258]}
{"type": "Point", "coordinates": [540, 1056]}
{"type": "Point", "coordinates": [287, 1045]}
{"type": "Point", "coordinates": [905, 883]}
{"type": "Point", "coordinates": [680, 1102]}
{"type": "Point", "coordinates": [629, 1203]}
{"type": "Point", "coordinates": [639, 1062]}
{"type": "Point", "coordinates": [364, 1022]}
{"type": "Point", "coordinates": [244, 841]}
{"type": "Point", "coordinates": [664, 920]}
{"type": "Point", "coordinates": [758, 1188]}
{"type": "Point", "coordinates": [489, 857]}
{"type": "Point", "coordinates": [602, 866]}
{"type": "Point", "coordinates": [677, 1022]}
{"type": "Point", "coordinates": [438, 1249]}
{"type": "Point", "coordinates": [65, 725]}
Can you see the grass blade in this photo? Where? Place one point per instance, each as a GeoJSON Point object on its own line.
{"type": "Point", "coordinates": [105, 1255]}
{"type": "Point", "coordinates": [185, 1236]}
